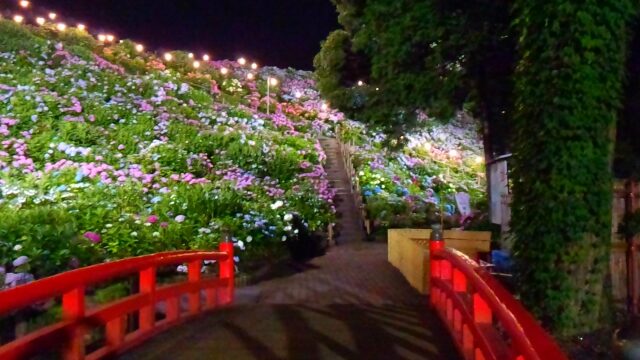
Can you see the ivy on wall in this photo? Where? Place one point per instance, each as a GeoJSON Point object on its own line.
{"type": "Point", "coordinates": [568, 86]}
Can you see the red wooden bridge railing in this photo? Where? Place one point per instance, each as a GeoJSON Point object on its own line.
{"type": "Point", "coordinates": [68, 336]}
{"type": "Point", "coordinates": [485, 320]}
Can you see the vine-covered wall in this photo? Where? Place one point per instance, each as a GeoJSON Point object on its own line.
{"type": "Point", "coordinates": [568, 88]}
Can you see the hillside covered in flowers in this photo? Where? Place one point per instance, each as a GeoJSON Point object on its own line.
{"type": "Point", "coordinates": [107, 151]}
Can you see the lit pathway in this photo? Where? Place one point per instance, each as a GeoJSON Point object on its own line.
{"type": "Point", "coordinates": [349, 304]}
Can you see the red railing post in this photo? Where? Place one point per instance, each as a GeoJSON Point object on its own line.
{"type": "Point", "coordinates": [73, 309]}
{"type": "Point", "coordinates": [194, 277]}
{"type": "Point", "coordinates": [481, 311]}
{"type": "Point", "coordinates": [436, 243]}
{"type": "Point", "coordinates": [227, 271]}
{"type": "Point", "coordinates": [148, 286]}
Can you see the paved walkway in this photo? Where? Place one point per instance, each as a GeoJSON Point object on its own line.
{"type": "Point", "coordinates": [348, 304]}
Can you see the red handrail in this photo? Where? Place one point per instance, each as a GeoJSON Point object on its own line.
{"type": "Point", "coordinates": [68, 335]}
{"type": "Point", "coordinates": [474, 305]}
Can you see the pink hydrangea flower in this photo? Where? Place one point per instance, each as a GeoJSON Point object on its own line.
{"type": "Point", "coordinates": [152, 219]}
{"type": "Point", "coordinates": [92, 236]}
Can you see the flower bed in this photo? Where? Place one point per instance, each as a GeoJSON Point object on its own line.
{"type": "Point", "coordinates": [108, 153]}
{"type": "Point", "coordinates": [413, 184]}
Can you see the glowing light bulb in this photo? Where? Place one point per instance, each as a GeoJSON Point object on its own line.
{"type": "Point", "coordinates": [53, 15]}
{"type": "Point", "coordinates": [298, 95]}
{"type": "Point", "coordinates": [190, 55]}
{"type": "Point", "coordinates": [102, 37]}
{"type": "Point", "coordinates": [250, 76]}
{"type": "Point", "coordinates": [242, 61]}
{"type": "Point", "coordinates": [110, 38]}
{"type": "Point", "coordinates": [40, 21]}
{"type": "Point", "coordinates": [205, 57]}
{"type": "Point", "coordinates": [224, 71]}
{"type": "Point", "coordinates": [196, 64]}
{"type": "Point", "coordinates": [254, 66]}
{"type": "Point", "coordinates": [18, 18]}
{"type": "Point", "coordinates": [360, 83]}
{"type": "Point", "coordinates": [377, 89]}
{"type": "Point", "coordinates": [168, 56]}
{"type": "Point", "coordinates": [81, 27]}
{"type": "Point", "coordinates": [61, 26]}
{"type": "Point", "coordinates": [24, 4]}
{"type": "Point", "coordinates": [139, 48]}
{"type": "Point", "coordinates": [273, 81]}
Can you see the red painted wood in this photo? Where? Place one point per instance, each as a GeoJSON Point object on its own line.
{"type": "Point", "coordinates": [194, 277]}
{"type": "Point", "coordinates": [73, 307]}
{"type": "Point", "coordinates": [67, 336]}
{"type": "Point", "coordinates": [489, 302]}
{"type": "Point", "coordinates": [148, 287]}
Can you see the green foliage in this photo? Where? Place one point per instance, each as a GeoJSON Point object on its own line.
{"type": "Point", "coordinates": [413, 55]}
{"type": "Point", "coordinates": [568, 89]}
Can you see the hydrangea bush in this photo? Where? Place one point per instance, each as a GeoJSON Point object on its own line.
{"type": "Point", "coordinates": [106, 152]}
{"type": "Point", "coordinates": [412, 183]}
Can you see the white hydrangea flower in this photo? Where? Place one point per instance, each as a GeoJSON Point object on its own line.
{"type": "Point", "coordinates": [276, 205]}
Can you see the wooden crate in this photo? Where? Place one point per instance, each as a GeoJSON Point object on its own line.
{"type": "Point", "coordinates": [408, 251]}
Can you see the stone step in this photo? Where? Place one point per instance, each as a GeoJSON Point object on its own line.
{"type": "Point", "coordinates": [349, 226]}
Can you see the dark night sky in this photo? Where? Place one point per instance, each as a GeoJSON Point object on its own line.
{"type": "Point", "coordinates": [273, 32]}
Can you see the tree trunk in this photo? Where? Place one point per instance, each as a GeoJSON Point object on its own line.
{"type": "Point", "coordinates": [568, 87]}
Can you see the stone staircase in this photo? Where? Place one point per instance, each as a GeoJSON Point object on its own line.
{"type": "Point", "coordinates": [349, 226]}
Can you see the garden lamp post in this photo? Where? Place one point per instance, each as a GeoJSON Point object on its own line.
{"type": "Point", "coordinates": [270, 81]}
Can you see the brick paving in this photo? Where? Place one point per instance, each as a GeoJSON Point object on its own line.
{"type": "Point", "coordinates": [348, 304]}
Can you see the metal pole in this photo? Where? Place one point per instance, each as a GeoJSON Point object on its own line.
{"type": "Point", "coordinates": [268, 97]}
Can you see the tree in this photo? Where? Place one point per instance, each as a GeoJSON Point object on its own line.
{"type": "Point", "coordinates": [567, 96]}
{"type": "Point", "coordinates": [557, 111]}
{"type": "Point", "coordinates": [416, 55]}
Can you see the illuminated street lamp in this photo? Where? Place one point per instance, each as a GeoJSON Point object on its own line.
{"type": "Point", "coordinates": [196, 64]}
{"type": "Point", "coordinates": [190, 55]}
{"type": "Point", "coordinates": [250, 76]}
{"type": "Point", "coordinates": [168, 56]}
{"type": "Point", "coordinates": [25, 4]}
{"type": "Point", "coordinates": [53, 15]}
{"type": "Point", "coordinates": [242, 61]}
{"type": "Point", "coordinates": [139, 48]}
{"type": "Point", "coordinates": [205, 57]}
{"type": "Point", "coordinates": [61, 26]}
{"type": "Point", "coordinates": [102, 37]}
{"type": "Point", "coordinates": [224, 71]}
{"type": "Point", "coordinates": [270, 82]}
{"type": "Point", "coordinates": [81, 27]}
{"type": "Point", "coordinates": [40, 21]}
{"type": "Point", "coordinates": [110, 38]}
{"type": "Point", "coordinates": [360, 83]}
{"type": "Point", "coordinates": [18, 18]}
{"type": "Point", "coordinates": [254, 66]}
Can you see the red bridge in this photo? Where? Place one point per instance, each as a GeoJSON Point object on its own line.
{"type": "Point", "coordinates": [348, 304]}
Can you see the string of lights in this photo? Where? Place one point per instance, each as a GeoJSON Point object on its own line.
{"type": "Point", "coordinates": [25, 12]}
